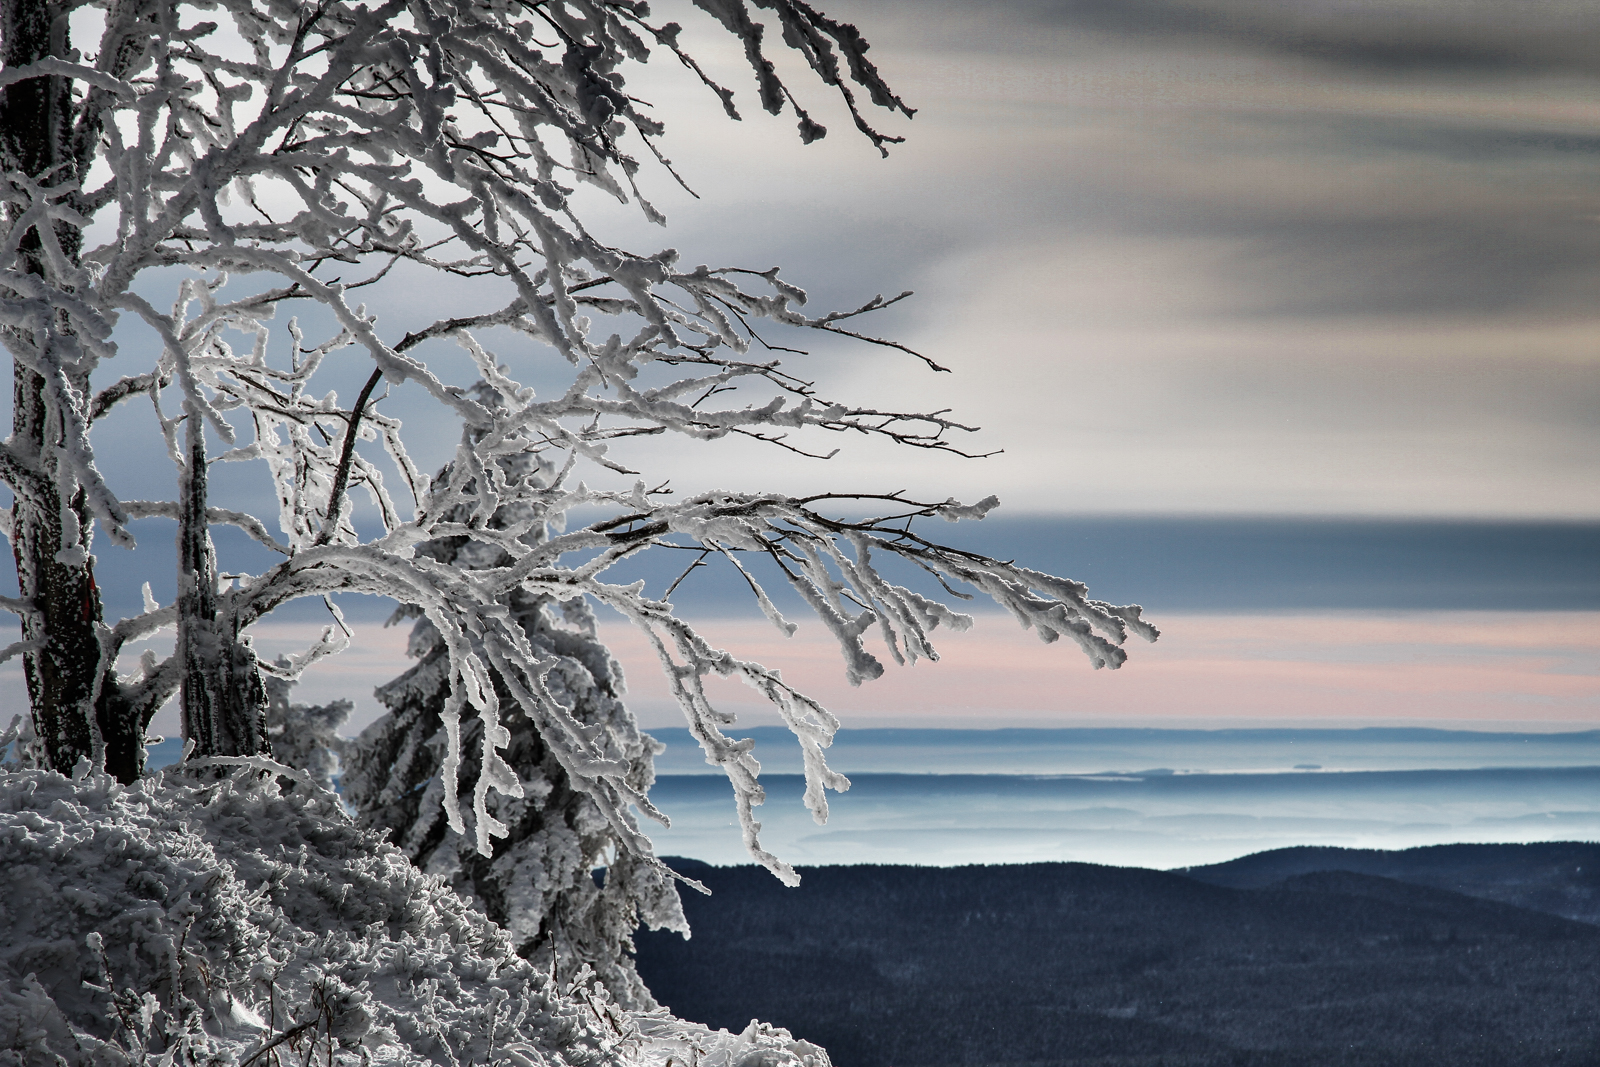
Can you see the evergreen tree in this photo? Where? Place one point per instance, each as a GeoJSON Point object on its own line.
{"type": "Point", "coordinates": [539, 882]}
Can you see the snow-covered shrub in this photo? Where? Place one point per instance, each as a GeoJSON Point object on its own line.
{"type": "Point", "coordinates": [196, 920]}
{"type": "Point", "coordinates": [20, 748]}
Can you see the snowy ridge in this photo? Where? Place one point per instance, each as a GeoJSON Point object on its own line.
{"type": "Point", "coordinates": [223, 920]}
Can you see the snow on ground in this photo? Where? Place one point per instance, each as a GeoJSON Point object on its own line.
{"type": "Point", "coordinates": [223, 920]}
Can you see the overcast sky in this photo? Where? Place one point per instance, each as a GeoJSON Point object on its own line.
{"type": "Point", "coordinates": [1219, 257]}
{"type": "Point", "coordinates": [1215, 257]}
{"type": "Point", "coordinates": [1331, 258]}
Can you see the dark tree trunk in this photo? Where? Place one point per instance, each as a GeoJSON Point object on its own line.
{"type": "Point", "coordinates": [224, 696]}
{"type": "Point", "coordinates": [36, 127]}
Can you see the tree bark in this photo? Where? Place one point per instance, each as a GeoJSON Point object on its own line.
{"type": "Point", "coordinates": [36, 128]}
{"type": "Point", "coordinates": [224, 698]}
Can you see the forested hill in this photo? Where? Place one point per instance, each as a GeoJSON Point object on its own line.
{"type": "Point", "coordinates": [1559, 877]}
{"type": "Point", "coordinates": [1074, 964]}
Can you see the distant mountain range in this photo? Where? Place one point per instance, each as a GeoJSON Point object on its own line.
{"type": "Point", "coordinates": [1460, 955]}
{"type": "Point", "coordinates": [1558, 877]}
{"type": "Point", "coordinates": [1124, 750]}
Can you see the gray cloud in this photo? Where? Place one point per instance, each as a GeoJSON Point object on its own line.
{"type": "Point", "coordinates": [1403, 36]}
{"type": "Point", "coordinates": [1362, 214]}
{"type": "Point", "coordinates": [1417, 187]}
{"type": "Point", "coordinates": [1175, 266]}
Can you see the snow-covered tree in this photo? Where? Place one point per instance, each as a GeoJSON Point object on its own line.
{"type": "Point", "coordinates": [537, 880]}
{"type": "Point", "coordinates": [202, 169]}
{"type": "Point", "coordinates": [306, 737]}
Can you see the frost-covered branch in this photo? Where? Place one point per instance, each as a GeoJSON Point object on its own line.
{"type": "Point", "coordinates": [143, 509]}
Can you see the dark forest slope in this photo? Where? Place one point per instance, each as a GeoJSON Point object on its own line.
{"type": "Point", "coordinates": [1079, 964]}
{"type": "Point", "coordinates": [1560, 877]}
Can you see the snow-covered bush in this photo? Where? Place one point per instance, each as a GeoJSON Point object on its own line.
{"type": "Point", "coordinates": [225, 922]}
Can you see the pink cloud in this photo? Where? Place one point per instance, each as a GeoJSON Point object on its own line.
{"type": "Point", "coordinates": [1471, 668]}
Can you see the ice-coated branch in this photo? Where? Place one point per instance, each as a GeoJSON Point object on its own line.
{"type": "Point", "coordinates": [830, 562]}
{"type": "Point", "coordinates": [109, 397]}
{"type": "Point", "coordinates": [167, 509]}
